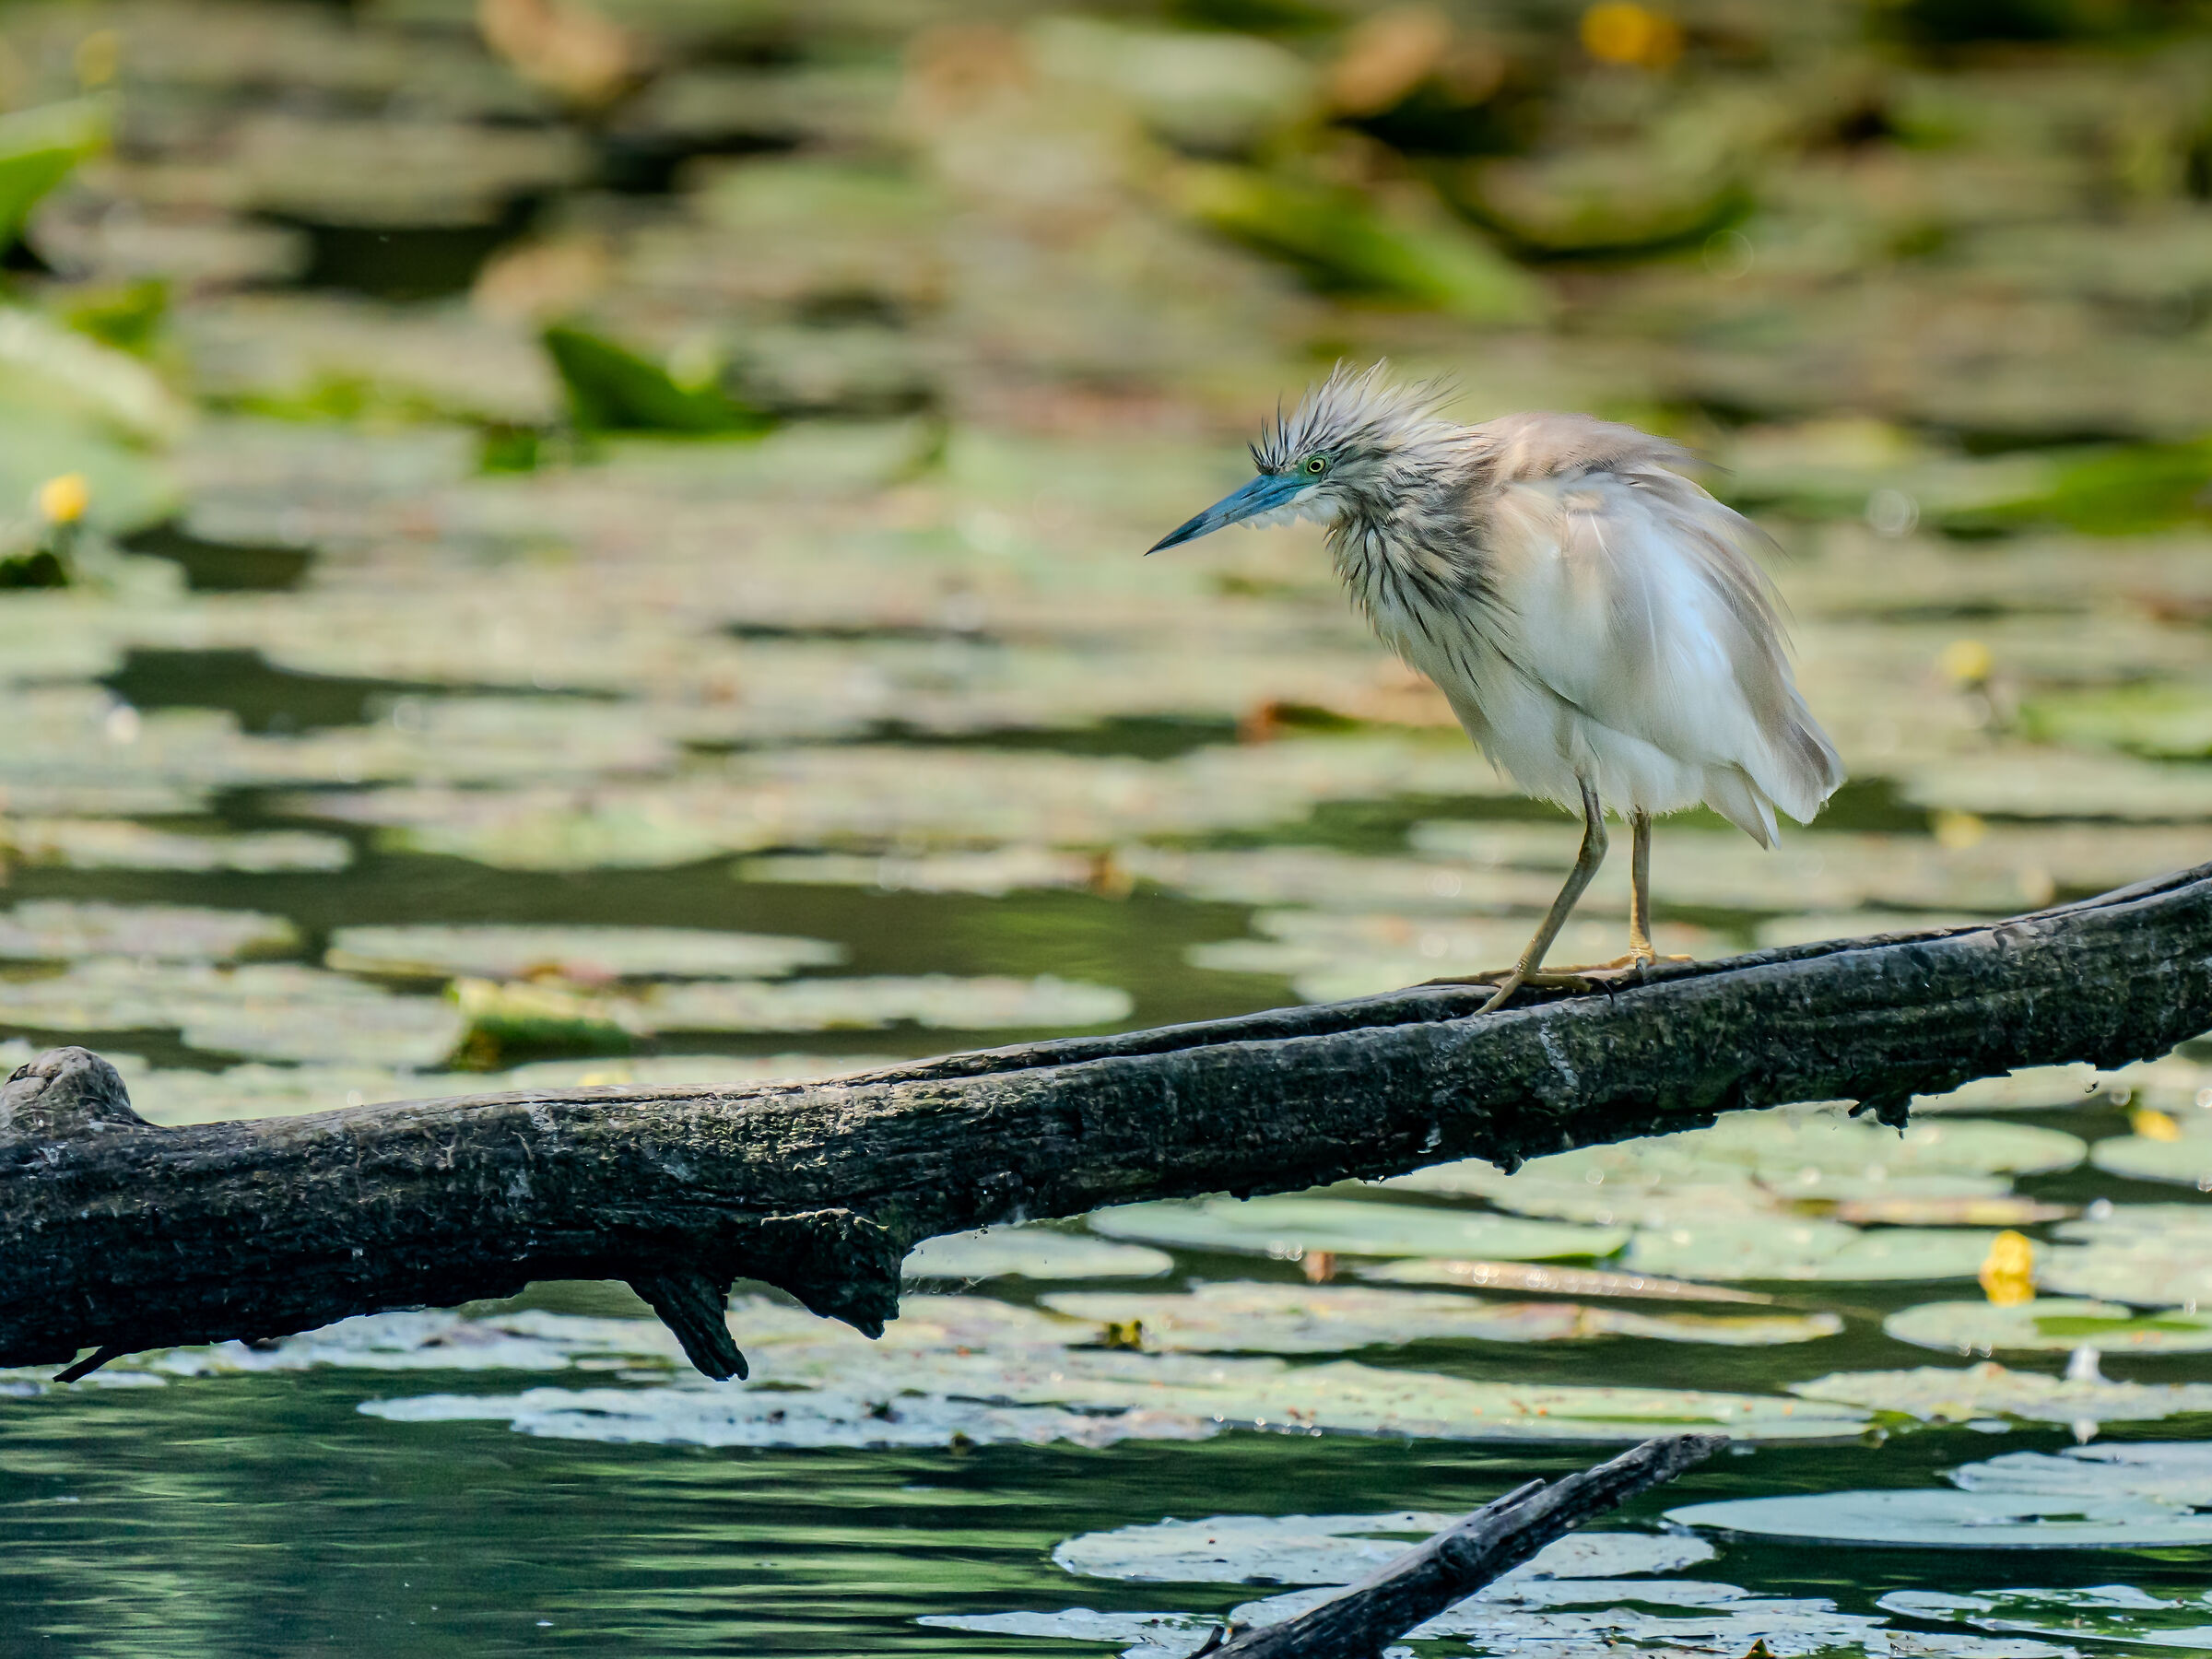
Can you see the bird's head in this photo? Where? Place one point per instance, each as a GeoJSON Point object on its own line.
{"type": "Point", "coordinates": [1338, 452]}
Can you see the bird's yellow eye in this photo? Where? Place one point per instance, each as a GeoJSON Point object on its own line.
{"type": "Point", "coordinates": [1316, 465]}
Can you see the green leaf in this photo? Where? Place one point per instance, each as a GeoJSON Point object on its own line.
{"type": "Point", "coordinates": [39, 147]}
{"type": "Point", "coordinates": [1342, 240]}
{"type": "Point", "coordinates": [612, 388]}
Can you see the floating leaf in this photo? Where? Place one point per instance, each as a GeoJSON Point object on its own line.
{"type": "Point", "coordinates": [273, 1011]}
{"type": "Point", "coordinates": [2178, 1474]}
{"type": "Point", "coordinates": [1031, 1253]}
{"type": "Point", "coordinates": [2049, 1324]}
{"type": "Point", "coordinates": [2162, 722]}
{"type": "Point", "coordinates": [527, 1015]}
{"type": "Point", "coordinates": [1988, 1389]}
{"type": "Point", "coordinates": [1336, 1550]}
{"type": "Point", "coordinates": [612, 388]}
{"type": "Point", "coordinates": [1955, 1520]}
{"type": "Point", "coordinates": [585, 954]}
{"type": "Point", "coordinates": [116, 844]}
{"type": "Point", "coordinates": [39, 147]}
{"type": "Point", "coordinates": [1785, 1249]}
{"type": "Point", "coordinates": [942, 1000]}
{"type": "Point", "coordinates": [1337, 236]}
{"type": "Point", "coordinates": [2178, 1159]}
{"type": "Point", "coordinates": [173, 1097]}
{"type": "Point", "coordinates": [656, 1071]}
{"type": "Point", "coordinates": [1549, 1279]}
{"type": "Point", "coordinates": [1288, 1228]}
{"type": "Point", "coordinates": [58, 930]}
{"type": "Point", "coordinates": [2104, 1613]}
{"type": "Point", "coordinates": [1286, 1319]}
{"type": "Point", "coordinates": [809, 1419]}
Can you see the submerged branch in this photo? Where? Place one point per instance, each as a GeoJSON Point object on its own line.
{"type": "Point", "coordinates": [120, 1236]}
{"type": "Point", "coordinates": [1459, 1560]}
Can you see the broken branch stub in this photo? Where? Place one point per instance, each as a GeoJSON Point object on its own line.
{"type": "Point", "coordinates": [121, 1236]}
{"type": "Point", "coordinates": [1459, 1560]}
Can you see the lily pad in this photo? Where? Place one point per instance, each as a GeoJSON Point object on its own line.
{"type": "Point", "coordinates": [2183, 1161]}
{"type": "Point", "coordinates": [117, 844]}
{"type": "Point", "coordinates": [2101, 1613]}
{"type": "Point", "coordinates": [1336, 1550]}
{"type": "Point", "coordinates": [58, 930]}
{"type": "Point", "coordinates": [173, 1098]}
{"type": "Point", "coordinates": [269, 1011]}
{"type": "Point", "coordinates": [694, 1417]}
{"type": "Point", "coordinates": [2176, 1473]}
{"type": "Point", "coordinates": [1955, 1520]}
{"type": "Point", "coordinates": [585, 954]}
{"type": "Point", "coordinates": [1030, 1252]}
{"type": "Point", "coordinates": [1787, 1249]}
{"type": "Point", "coordinates": [941, 1000]}
{"type": "Point", "coordinates": [1988, 1389]}
{"type": "Point", "coordinates": [1546, 1278]}
{"type": "Point", "coordinates": [2048, 1325]}
{"type": "Point", "coordinates": [1288, 1319]}
{"type": "Point", "coordinates": [654, 1071]}
{"type": "Point", "coordinates": [1288, 1228]}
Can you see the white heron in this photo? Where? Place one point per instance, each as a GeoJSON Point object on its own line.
{"type": "Point", "coordinates": [1598, 622]}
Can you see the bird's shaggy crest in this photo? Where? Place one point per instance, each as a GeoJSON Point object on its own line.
{"type": "Point", "coordinates": [1353, 409]}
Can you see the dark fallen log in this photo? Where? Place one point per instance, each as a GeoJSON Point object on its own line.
{"type": "Point", "coordinates": [119, 1236]}
{"type": "Point", "coordinates": [1460, 1559]}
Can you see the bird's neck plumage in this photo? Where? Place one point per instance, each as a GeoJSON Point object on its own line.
{"type": "Point", "coordinates": [1407, 536]}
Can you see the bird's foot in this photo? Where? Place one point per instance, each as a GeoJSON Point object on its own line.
{"type": "Point", "coordinates": [1646, 957]}
{"type": "Point", "coordinates": [1509, 980]}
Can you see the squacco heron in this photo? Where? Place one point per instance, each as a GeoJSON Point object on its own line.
{"type": "Point", "coordinates": [1597, 622]}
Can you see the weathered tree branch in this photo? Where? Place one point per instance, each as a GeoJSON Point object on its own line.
{"type": "Point", "coordinates": [119, 1236]}
{"type": "Point", "coordinates": [1460, 1559]}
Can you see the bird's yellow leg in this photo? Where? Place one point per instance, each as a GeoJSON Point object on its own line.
{"type": "Point", "coordinates": [1640, 890]}
{"type": "Point", "coordinates": [1593, 855]}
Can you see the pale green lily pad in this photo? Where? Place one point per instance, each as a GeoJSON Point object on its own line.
{"type": "Point", "coordinates": [1955, 1520]}
{"type": "Point", "coordinates": [1828, 1139]}
{"type": "Point", "coordinates": [2049, 1324]}
{"type": "Point", "coordinates": [268, 1011]}
{"type": "Point", "coordinates": [1933, 1394]}
{"type": "Point", "coordinates": [941, 1000]}
{"type": "Point", "coordinates": [2169, 1472]}
{"type": "Point", "coordinates": [959, 1361]}
{"type": "Point", "coordinates": [1542, 1620]}
{"type": "Point", "coordinates": [1030, 1252]}
{"type": "Point", "coordinates": [58, 930]}
{"type": "Point", "coordinates": [583, 953]}
{"type": "Point", "coordinates": [1755, 1164]}
{"type": "Point", "coordinates": [1536, 1618]}
{"type": "Point", "coordinates": [1917, 1206]}
{"type": "Point", "coordinates": [2171, 1270]}
{"type": "Point", "coordinates": [1796, 1249]}
{"type": "Point", "coordinates": [118, 844]}
{"type": "Point", "coordinates": [991, 875]}
{"type": "Point", "coordinates": [1289, 1227]}
{"type": "Point", "coordinates": [1330, 956]}
{"type": "Point", "coordinates": [811, 1419]}
{"type": "Point", "coordinates": [656, 1071]}
{"type": "Point", "coordinates": [1336, 1550]}
{"type": "Point", "coordinates": [2102, 1613]}
{"type": "Point", "coordinates": [1546, 1278]}
{"type": "Point", "coordinates": [1290, 1319]}
{"type": "Point", "coordinates": [2183, 1162]}
{"type": "Point", "coordinates": [2050, 782]}
{"type": "Point", "coordinates": [173, 1098]}
{"type": "Point", "coordinates": [2031, 1088]}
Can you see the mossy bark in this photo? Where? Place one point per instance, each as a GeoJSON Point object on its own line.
{"type": "Point", "coordinates": [116, 1235]}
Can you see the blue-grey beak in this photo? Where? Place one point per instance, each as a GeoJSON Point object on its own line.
{"type": "Point", "coordinates": [1265, 492]}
